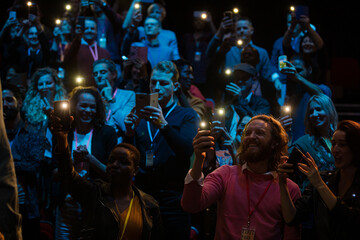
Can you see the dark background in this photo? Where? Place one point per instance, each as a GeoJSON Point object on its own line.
{"type": "Point", "coordinates": [335, 22]}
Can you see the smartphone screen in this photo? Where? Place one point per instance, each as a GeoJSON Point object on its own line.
{"type": "Point", "coordinates": [285, 110]}
{"type": "Point", "coordinates": [62, 110]}
{"type": "Point", "coordinates": [219, 115]}
{"type": "Point", "coordinates": [281, 59]}
{"type": "Point", "coordinates": [200, 14]}
{"type": "Point", "coordinates": [205, 125]}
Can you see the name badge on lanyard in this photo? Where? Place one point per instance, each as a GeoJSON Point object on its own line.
{"type": "Point", "coordinates": [149, 158]}
{"type": "Point", "coordinates": [197, 57]}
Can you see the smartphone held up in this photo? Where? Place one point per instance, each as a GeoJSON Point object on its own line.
{"type": "Point", "coordinates": [62, 110]}
{"type": "Point", "coordinates": [144, 99]}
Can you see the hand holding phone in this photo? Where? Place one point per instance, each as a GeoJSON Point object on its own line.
{"type": "Point", "coordinates": [143, 100]}
{"type": "Point", "coordinates": [62, 111]}
{"type": "Point", "coordinates": [205, 125]}
{"type": "Point", "coordinates": [301, 10]}
{"type": "Point", "coordinates": [203, 15]}
{"type": "Point", "coordinates": [219, 115]}
{"type": "Point", "coordinates": [296, 157]}
{"type": "Point", "coordinates": [282, 61]}
{"type": "Point", "coordinates": [12, 15]}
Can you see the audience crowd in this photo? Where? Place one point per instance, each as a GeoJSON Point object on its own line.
{"type": "Point", "coordinates": [113, 127]}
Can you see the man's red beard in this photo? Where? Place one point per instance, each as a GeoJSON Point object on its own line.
{"type": "Point", "coordinates": [263, 153]}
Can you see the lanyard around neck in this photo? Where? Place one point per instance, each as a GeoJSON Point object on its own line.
{"type": "Point", "coordinates": [109, 112]}
{"type": "Point", "coordinates": [94, 54]}
{"type": "Point", "coordinates": [88, 143]}
{"type": "Point", "coordinates": [127, 215]}
{"type": "Point", "coordinates": [251, 211]}
{"type": "Point", "coordinates": [157, 131]}
{"type": "Point", "coordinates": [36, 53]}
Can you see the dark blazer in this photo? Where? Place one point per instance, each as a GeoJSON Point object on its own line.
{"type": "Point", "coordinates": [103, 140]}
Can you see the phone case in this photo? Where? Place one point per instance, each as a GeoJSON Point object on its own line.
{"type": "Point", "coordinates": [139, 53]}
{"type": "Point", "coordinates": [143, 99]}
{"type": "Point", "coordinates": [62, 110]}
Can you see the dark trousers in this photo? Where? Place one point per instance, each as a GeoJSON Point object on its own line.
{"type": "Point", "coordinates": [176, 222]}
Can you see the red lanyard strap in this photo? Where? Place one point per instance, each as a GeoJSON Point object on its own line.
{"type": "Point", "coordinates": [251, 211]}
{"type": "Point", "coordinates": [94, 54]}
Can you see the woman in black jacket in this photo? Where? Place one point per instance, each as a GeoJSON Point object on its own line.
{"type": "Point", "coordinates": [115, 209]}
{"type": "Point", "coordinates": [334, 198]}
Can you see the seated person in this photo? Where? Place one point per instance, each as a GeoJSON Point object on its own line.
{"type": "Point", "coordinates": [119, 102]}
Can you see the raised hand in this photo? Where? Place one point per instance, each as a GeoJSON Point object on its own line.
{"type": "Point", "coordinates": [233, 89]}
{"type": "Point", "coordinates": [131, 121]}
{"type": "Point", "coordinates": [310, 170]}
{"type": "Point", "coordinates": [202, 143]}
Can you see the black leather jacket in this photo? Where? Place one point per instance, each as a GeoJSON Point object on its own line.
{"type": "Point", "coordinates": [340, 223]}
{"type": "Point", "coordinates": [98, 209]}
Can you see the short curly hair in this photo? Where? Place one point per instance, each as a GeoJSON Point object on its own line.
{"type": "Point", "coordinates": [100, 115]}
{"type": "Point", "coordinates": [168, 67]}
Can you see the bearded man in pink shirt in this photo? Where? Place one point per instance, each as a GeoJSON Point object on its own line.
{"type": "Point", "coordinates": [247, 195]}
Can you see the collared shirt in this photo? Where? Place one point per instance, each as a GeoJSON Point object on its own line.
{"type": "Point", "coordinates": [200, 181]}
{"type": "Point", "coordinates": [227, 186]}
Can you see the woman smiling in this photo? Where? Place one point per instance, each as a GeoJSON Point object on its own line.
{"type": "Point", "coordinates": [320, 123]}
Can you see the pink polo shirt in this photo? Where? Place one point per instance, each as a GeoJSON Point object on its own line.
{"type": "Point", "coordinates": [227, 186]}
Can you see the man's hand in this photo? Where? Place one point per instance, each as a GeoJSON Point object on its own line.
{"type": "Point", "coordinates": [131, 122]}
{"type": "Point", "coordinates": [106, 92]}
{"type": "Point", "coordinates": [233, 89]}
{"type": "Point", "coordinates": [286, 122]}
{"type": "Point", "coordinates": [289, 71]}
{"type": "Point", "coordinates": [202, 143]}
{"type": "Point", "coordinates": [57, 130]}
{"type": "Point", "coordinates": [304, 22]}
{"type": "Point", "coordinates": [284, 169]}
{"type": "Point", "coordinates": [226, 24]}
{"type": "Point", "coordinates": [136, 18]}
{"type": "Point", "coordinates": [153, 115]}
